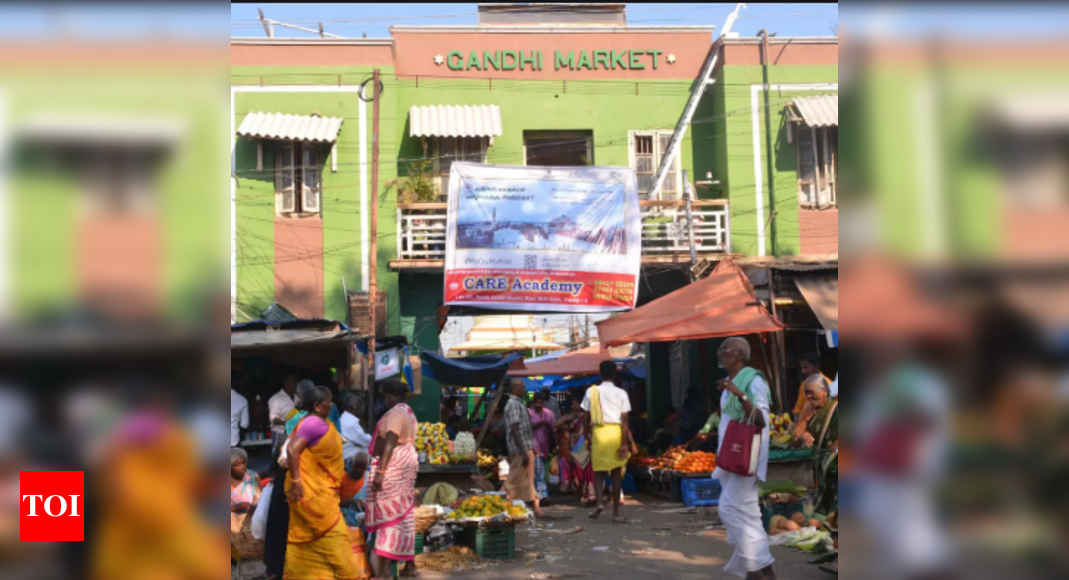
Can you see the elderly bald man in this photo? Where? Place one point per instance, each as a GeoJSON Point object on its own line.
{"type": "Point", "coordinates": [745, 393]}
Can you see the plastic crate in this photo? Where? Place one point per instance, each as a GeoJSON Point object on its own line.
{"type": "Point", "coordinates": [628, 484]}
{"type": "Point", "coordinates": [491, 543]}
{"type": "Point", "coordinates": [660, 486]}
{"type": "Point", "coordinates": [419, 543]}
{"type": "Point", "coordinates": [700, 492]}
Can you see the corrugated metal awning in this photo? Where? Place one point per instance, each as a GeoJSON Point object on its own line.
{"type": "Point", "coordinates": [822, 294]}
{"type": "Point", "coordinates": [290, 127]}
{"type": "Point", "coordinates": [103, 130]}
{"type": "Point", "coordinates": [455, 121]}
{"type": "Point", "coordinates": [820, 111]}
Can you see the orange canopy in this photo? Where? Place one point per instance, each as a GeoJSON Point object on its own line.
{"type": "Point", "coordinates": [581, 362]}
{"type": "Point", "coordinates": [724, 304]}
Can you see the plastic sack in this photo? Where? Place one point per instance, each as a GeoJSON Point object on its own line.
{"type": "Point", "coordinates": [259, 517]}
{"type": "Point", "coordinates": [439, 537]}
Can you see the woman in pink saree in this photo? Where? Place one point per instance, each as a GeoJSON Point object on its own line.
{"type": "Point", "coordinates": [391, 498]}
{"type": "Point", "coordinates": [575, 475]}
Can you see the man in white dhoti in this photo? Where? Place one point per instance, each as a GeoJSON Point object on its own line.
{"type": "Point", "coordinates": [745, 392]}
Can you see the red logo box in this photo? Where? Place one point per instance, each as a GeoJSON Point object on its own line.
{"type": "Point", "coordinates": [52, 506]}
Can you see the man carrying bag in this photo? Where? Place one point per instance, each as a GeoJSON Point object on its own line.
{"type": "Point", "coordinates": [742, 460]}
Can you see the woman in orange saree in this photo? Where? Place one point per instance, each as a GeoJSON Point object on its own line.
{"type": "Point", "coordinates": [390, 500]}
{"type": "Point", "coordinates": [319, 546]}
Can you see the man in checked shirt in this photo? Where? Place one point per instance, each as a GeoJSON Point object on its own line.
{"type": "Point", "coordinates": [521, 446]}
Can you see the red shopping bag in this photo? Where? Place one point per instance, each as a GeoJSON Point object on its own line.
{"type": "Point", "coordinates": [741, 448]}
{"type": "Point", "coordinates": [891, 449]}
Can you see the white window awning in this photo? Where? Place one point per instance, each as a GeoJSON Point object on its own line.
{"type": "Point", "coordinates": [103, 130]}
{"type": "Point", "coordinates": [455, 121]}
{"type": "Point", "coordinates": [820, 111]}
{"type": "Point", "coordinates": [290, 127]}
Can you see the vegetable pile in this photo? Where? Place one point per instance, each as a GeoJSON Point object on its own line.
{"type": "Point", "coordinates": [781, 524]}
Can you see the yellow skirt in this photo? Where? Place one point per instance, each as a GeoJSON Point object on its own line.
{"type": "Point", "coordinates": [605, 447]}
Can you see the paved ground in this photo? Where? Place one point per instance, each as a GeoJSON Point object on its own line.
{"type": "Point", "coordinates": [679, 546]}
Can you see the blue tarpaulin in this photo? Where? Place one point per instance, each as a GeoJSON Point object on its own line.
{"type": "Point", "coordinates": [558, 384]}
{"type": "Point", "coordinates": [480, 371]}
{"type": "Point", "coordinates": [637, 371]}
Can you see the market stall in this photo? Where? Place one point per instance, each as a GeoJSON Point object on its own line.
{"type": "Point", "coordinates": [258, 349]}
{"type": "Point", "coordinates": [722, 305]}
{"type": "Point", "coordinates": [438, 462]}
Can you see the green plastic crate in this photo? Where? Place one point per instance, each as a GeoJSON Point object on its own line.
{"type": "Point", "coordinates": [419, 543]}
{"type": "Point", "coordinates": [491, 543]}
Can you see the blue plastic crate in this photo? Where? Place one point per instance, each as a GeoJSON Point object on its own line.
{"type": "Point", "coordinates": [700, 492]}
{"type": "Point", "coordinates": [628, 484]}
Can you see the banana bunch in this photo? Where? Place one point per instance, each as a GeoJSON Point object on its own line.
{"type": "Point", "coordinates": [486, 459]}
{"type": "Point", "coordinates": [782, 429]}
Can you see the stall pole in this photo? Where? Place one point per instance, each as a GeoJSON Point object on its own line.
{"type": "Point", "coordinates": [777, 364]}
{"type": "Point", "coordinates": [493, 405]}
{"type": "Point", "coordinates": [479, 403]}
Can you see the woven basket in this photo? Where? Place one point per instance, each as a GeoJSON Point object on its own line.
{"type": "Point", "coordinates": [247, 546]}
{"type": "Point", "coordinates": [425, 518]}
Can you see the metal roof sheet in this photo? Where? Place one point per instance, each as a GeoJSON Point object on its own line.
{"type": "Point", "coordinates": [820, 111]}
{"type": "Point", "coordinates": [103, 129]}
{"type": "Point", "coordinates": [822, 294]}
{"type": "Point", "coordinates": [455, 121]}
{"type": "Point", "coordinates": [290, 127]}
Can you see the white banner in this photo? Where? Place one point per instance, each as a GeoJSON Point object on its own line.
{"type": "Point", "coordinates": [561, 239]}
{"type": "Point", "coordinates": [387, 363]}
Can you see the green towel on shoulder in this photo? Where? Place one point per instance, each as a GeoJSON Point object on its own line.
{"type": "Point", "coordinates": [744, 381]}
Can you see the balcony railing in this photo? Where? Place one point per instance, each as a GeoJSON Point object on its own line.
{"type": "Point", "coordinates": [421, 229]}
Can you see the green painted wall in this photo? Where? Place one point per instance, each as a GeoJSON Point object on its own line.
{"type": "Point", "coordinates": [190, 201]}
{"type": "Point", "coordinates": [734, 165]}
{"type": "Point", "coordinates": [255, 209]}
{"type": "Point", "coordinates": [342, 241]}
{"type": "Point", "coordinates": [609, 108]}
{"type": "Point", "coordinates": [966, 189]}
{"type": "Point", "coordinates": [420, 296]}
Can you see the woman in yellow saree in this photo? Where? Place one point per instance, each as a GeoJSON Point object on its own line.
{"type": "Point", "coordinates": [319, 546]}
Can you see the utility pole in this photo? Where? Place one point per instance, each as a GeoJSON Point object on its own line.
{"type": "Point", "coordinates": [768, 143]}
{"type": "Point", "coordinates": [373, 286]}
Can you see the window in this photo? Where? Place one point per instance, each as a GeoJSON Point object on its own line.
{"type": "Point", "coordinates": [119, 182]}
{"type": "Point", "coordinates": [298, 178]}
{"type": "Point", "coordinates": [647, 150]}
{"type": "Point", "coordinates": [818, 165]}
{"type": "Point", "coordinates": [450, 149]}
{"type": "Point", "coordinates": [558, 148]}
